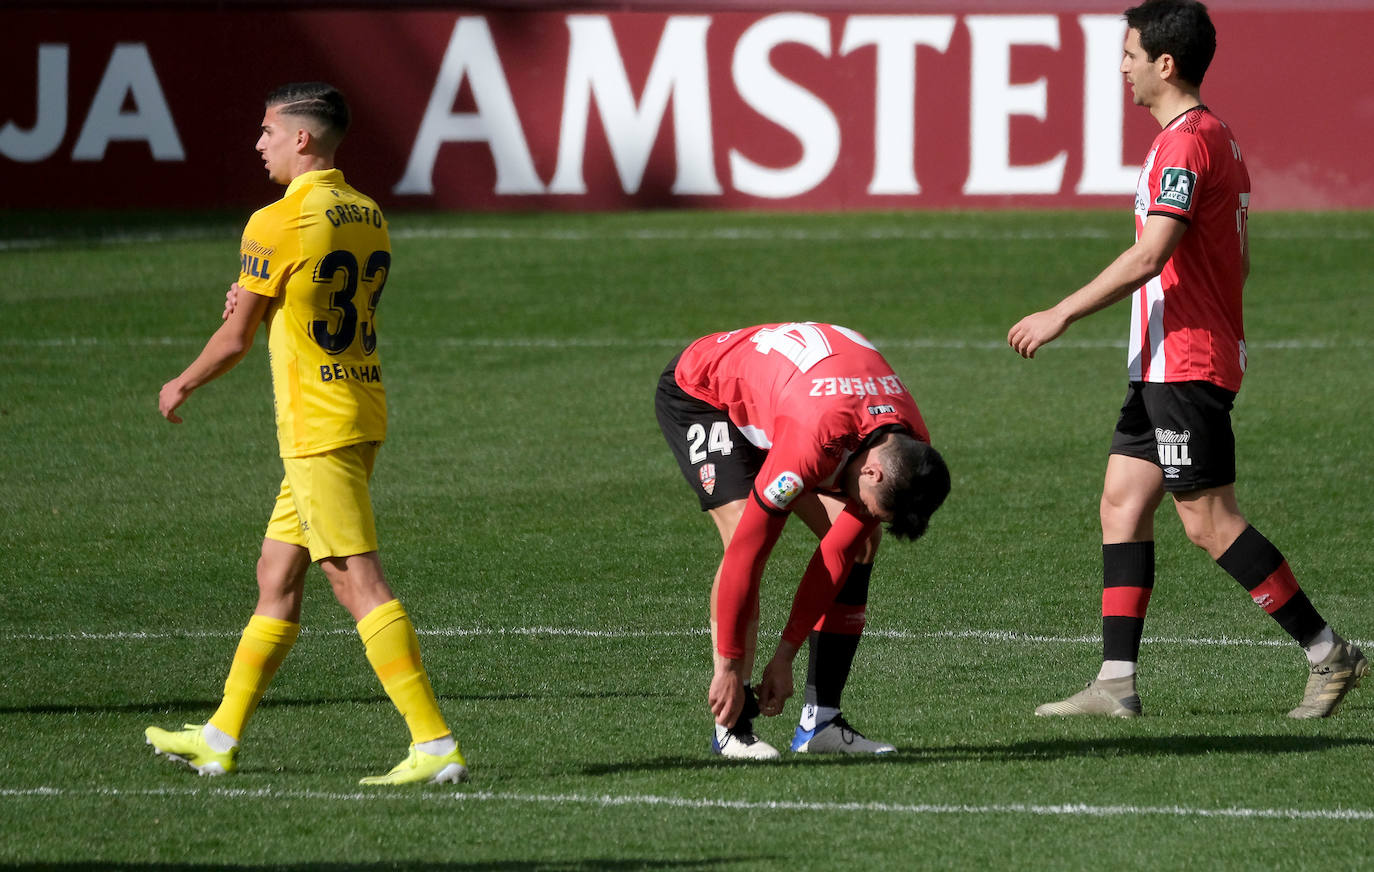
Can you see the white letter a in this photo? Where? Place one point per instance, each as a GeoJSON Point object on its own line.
{"type": "Point", "coordinates": [471, 53]}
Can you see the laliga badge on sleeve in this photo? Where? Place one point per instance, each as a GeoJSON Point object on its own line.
{"type": "Point", "coordinates": [707, 473]}
{"type": "Point", "coordinates": [782, 490]}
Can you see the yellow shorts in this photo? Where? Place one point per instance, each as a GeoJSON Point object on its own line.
{"type": "Point", "coordinates": [325, 504]}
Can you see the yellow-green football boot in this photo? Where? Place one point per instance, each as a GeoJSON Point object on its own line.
{"type": "Point", "coordinates": [419, 767]}
{"type": "Point", "coordinates": [188, 746]}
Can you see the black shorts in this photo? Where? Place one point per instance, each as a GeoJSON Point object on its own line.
{"type": "Point", "coordinates": [715, 458]}
{"type": "Point", "coordinates": [1184, 428]}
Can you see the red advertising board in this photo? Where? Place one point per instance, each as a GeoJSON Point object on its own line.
{"type": "Point", "coordinates": [903, 105]}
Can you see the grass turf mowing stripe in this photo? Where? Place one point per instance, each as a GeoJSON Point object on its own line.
{"type": "Point", "coordinates": [607, 800]}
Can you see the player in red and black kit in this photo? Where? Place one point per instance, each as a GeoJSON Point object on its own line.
{"type": "Point", "coordinates": [1187, 355]}
{"type": "Point", "coordinates": [804, 419]}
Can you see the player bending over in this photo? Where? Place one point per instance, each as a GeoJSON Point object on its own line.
{"type": "Point", "coordinates": [805, 419]}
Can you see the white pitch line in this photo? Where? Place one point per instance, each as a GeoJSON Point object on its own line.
{"type": "Point", "coordinates": [607, 800]}
{"type": "Point", "coordinates": [452, 632]}
{"type": "Point", "coordinates": [1007, 636]}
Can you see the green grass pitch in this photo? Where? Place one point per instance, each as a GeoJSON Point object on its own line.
{"type": "Point", "coordinates": [534, 524]}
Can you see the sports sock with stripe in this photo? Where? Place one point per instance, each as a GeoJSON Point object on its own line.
{"type": "Point", "coordinates": [262, 648]}
{"type": "Point", "coordinates": [393, 649]}
{"type": "Point", "coordinates": [1128, 579]}
{"type": "Point", "coordinates": [1261, 569]}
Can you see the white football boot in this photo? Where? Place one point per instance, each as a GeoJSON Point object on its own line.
{"type": "Point", "coordinates": [741, 744]}
{"type": "Point", "coordinates": [836, 736]}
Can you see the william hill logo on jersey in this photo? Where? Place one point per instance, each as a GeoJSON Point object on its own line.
{"type": "Point", "coordinates": [254, 258]}
{"type": "Point", "coordinates": [256, 267]}
{"type": "Point", "coordinates": [1176, 186]}
{"type": "Point", "coordinates": [1173, 450]}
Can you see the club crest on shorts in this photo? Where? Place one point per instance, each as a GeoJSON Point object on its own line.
{"type": "Point", "coordinates": [782, 490]}
{"type": "Point", "coordinates": [707, 473]}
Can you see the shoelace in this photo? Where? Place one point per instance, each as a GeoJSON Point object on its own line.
{"type": "Point", "coordinates": [846, 728]}
{"type": "Point", "coordinates": [744, 734]}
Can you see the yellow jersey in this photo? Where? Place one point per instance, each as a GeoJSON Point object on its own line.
{"type": "Point", "coordinates": [322, 253]}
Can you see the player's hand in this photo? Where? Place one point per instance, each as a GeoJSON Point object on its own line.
{"type": "Point", "coordinates": [231, 301]}
{"type": "Point", "coordinates": [776, 687]}
{"type": "Point", "coordinates": [1035, 330]}
{"type": "Point", "coordinates": [726, 695]}
{"type": "Point", "coordinates": [171, 396]}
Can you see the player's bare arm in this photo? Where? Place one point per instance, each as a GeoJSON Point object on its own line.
{"type": "Point", "coordinates": [225, 348]}
{"type": "Point", "coordinates": [726, 696]}
{"type": "Point", "coordinates": [776, 686]}
{"type": "Point", "coordinates": [1132, 268]}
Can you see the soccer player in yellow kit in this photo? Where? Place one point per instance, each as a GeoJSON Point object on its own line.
{"type": "Point", "coordinates": [313, 266]}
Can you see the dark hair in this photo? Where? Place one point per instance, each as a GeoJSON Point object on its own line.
{"type": "Point", "coordinates": [917, 482]}
{"type": "Point", "coordinates": [1180, 28]}
{"type": "Point", "coordinates": [318, 101]}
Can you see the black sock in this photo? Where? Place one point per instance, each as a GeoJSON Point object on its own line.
{"type": "Point", "coordinates": [745, 722]}
{"type": "Point", "coordinates": [830, 655]}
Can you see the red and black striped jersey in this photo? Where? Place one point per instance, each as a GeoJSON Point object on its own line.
{"type": "Point", "coordinates": [1186, 323]}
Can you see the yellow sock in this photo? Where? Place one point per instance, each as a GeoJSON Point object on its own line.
{"type": "Point", "coordinates": [393, 649]}
{"type": "Point", "coordinates": [263, 646]}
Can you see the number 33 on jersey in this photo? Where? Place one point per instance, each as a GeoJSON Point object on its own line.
{"type": "Point", "coordinates": [322, 253]}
